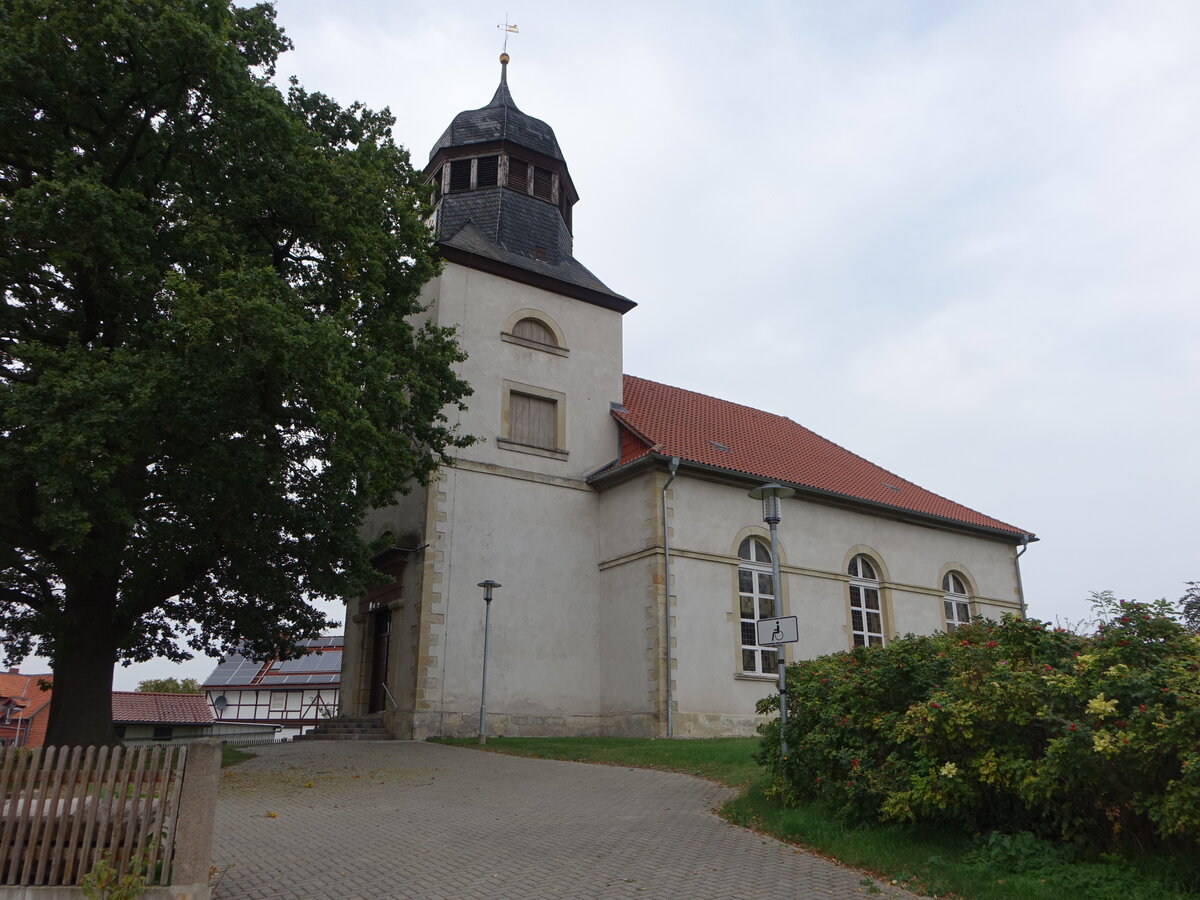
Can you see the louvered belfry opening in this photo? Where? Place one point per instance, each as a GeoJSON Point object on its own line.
{"type": "Point", "coordinates": [460, 175]}
{"type": "Point", "coordinates": [543, 184]}
{"type": "Point", "coordinates": [487, 174]}
{"type": "Point", "coordinates": [518, 175]}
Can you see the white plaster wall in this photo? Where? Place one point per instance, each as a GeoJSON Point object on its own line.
{"type": "Point", "coordinates": [709, 519]}
{"type": "Point", "coordinates": [628, 514]}
{"type": "Point", "coordinates": [404, 519]}
{"type": "Point", "coordinates": [627, 641]}
{"type": "Point", "coordinates": [538, 541]}
{"type": "Point", "coordinates": [479, 305]}
{"type": "Point", "coordinates": [707, 650]}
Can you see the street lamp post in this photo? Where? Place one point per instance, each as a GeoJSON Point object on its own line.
{"type": "Point", "coordinates": [770, 495]}
{"type": "Point", "coordinates": [488, 586]}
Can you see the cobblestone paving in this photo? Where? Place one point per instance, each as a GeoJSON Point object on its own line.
{"type": "Point", "coordinates": [404, 819]}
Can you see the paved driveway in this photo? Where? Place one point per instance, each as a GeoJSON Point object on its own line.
{"type": "Point", "coordinates": [405, 819]}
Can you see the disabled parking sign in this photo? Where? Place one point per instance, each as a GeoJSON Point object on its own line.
{"type": "Point", "coordinates": [783, 630]}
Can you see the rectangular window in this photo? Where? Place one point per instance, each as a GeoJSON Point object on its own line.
{"type": "Point", "coordinates": [278, 700]}
{"type": "Point", "coordinates": [533, 421]}
{"type": "Point", "coordinates": [866, 616]}
{"type": "Point", "coordinates": [162, 732]}
{"type": "Point", "coordinates": [756, 600]}
{"type": "Point", "coordinates": [958, 612]}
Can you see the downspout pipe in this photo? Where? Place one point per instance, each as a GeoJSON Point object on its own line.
{"type": "Point", "coordinates": [1017, 566]}
{"type": "Point", "coordinates": [672, 469]}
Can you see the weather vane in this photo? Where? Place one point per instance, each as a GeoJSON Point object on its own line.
{"type": "Point", "coordinates": [508, 29]}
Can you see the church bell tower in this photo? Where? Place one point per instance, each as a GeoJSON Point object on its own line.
{"type": "Point", "coordinates": [542, 336]}
{"type": "Point", "coordinates": [504, 199]}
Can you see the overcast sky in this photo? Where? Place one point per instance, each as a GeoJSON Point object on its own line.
{"type": "Point", "coordinates": [959, 239]}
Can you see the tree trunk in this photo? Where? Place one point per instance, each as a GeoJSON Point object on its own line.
{"type": "Point", "coordinates": [84, 654]}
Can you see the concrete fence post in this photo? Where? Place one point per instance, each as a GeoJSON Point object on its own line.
{"type": "Point", "coordinates": [197, 815]}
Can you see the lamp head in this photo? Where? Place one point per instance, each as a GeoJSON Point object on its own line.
{"type": "Point", "coordinates": [770, 495]}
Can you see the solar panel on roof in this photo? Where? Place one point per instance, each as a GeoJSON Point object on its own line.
{"type": "Point", "coordinates": [235, 670]}
{"type": "Point", "coordinates": [238, 670]}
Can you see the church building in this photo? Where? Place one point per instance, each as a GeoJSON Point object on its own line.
{"type": "Point", "coordinates": [614, 511]}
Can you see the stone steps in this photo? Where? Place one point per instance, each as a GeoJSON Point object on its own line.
{"type": "Point", "coordinates": [349, 728]}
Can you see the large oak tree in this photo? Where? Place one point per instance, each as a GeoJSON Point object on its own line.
{"type": "Point", "coordinates": [209, 369]}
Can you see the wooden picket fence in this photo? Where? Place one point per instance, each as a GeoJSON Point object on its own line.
{"type": "Point", "coordinates": [65, 808]}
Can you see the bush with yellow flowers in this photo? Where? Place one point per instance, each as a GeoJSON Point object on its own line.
{"type": "Point", "coordinates": [1007, 726]}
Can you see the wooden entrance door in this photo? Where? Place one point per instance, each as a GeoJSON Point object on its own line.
{"type": "Point", "coordinates": [381, 638]}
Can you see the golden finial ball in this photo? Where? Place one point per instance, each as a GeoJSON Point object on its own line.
{"type": "Point", "coordinates": [504, 59]}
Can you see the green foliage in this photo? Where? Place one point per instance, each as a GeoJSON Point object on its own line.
{"type": "Point", "coordinates": [1189, 606]}
{"type": "Point", "coordinates": [211, 364]}
{"type": "Point", "coordinates": [1008, 727]}
{"type": "Point", "coordinates": [170, 685]}
{"type": "Point", "coordinates": [727, 760]}
{"type": "Point", "coordinates": [106, 882]}
{"type": "Point", "coordinates": [231, 756]}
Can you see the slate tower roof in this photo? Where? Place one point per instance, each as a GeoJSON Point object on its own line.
{"type": "Point", "coordinates": [504, 200]}
{"type": "Point", "coordinates": [500, 120]}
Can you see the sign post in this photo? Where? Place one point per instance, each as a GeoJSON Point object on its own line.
{"type": "Point", "coordinates": [771, 495]}
{"type": "Point", "coordinates": [777, 632]}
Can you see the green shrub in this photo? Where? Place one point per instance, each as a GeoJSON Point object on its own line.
{"type": "Point", "coordinates": [1011, 726]}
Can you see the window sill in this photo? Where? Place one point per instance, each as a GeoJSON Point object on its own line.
{"type": "Point", "coordinates": [534, 345]}
{"type": "Point", "coordinates": [506, 444]}
{"type": "Point", "coordinates": [746, 676]}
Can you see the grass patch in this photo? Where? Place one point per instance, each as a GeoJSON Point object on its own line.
{"type": "Point", "coordinates": [231, 756]}
{"type": "Point", "coordinates": [727, 760]}
{"type": "Point", "coordinates": [926, 860]}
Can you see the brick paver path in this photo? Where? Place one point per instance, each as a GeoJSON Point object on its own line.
{"type": "Point", "coordinates": [404, 819]}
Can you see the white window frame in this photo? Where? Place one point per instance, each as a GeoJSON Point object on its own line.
{"type": "Point", "coordinates": [866, 600]}
{"type": "Point", "coordinates": [956, 601]}
{"type": "Point", "coordinates": [754, 603]}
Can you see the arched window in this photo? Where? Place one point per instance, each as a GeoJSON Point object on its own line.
{"type": "Point", "coordinates": [866, 610]}
{"type": "Point", "coordinates": [756, 600]}
{"type": "Point", "coordinates": [532, 329]}
{"type": "Point", "coordinates": [956, 601]}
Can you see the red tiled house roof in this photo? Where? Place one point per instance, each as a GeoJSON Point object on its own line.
{"type": "Point", "coordinates": [30, 705]}
{"type": "Point", "coordinates": [664, 421]}
{"type": "Point", "coordinates": [150, 708]}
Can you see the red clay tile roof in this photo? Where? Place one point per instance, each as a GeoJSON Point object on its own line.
{"type": "Point", "coordinates": [701, 429]}
{"type": "Point", "coordinates": [31, 706]}
{"type": "Point", "coordinates": [148, 707]}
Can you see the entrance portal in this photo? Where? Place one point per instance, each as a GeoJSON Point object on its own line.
{"type": "Point", "coordinates": [381, 637]}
